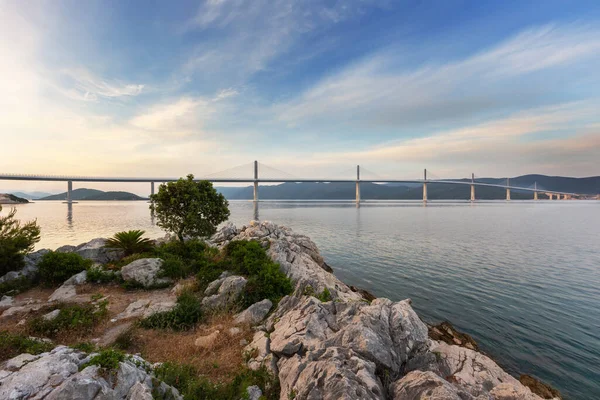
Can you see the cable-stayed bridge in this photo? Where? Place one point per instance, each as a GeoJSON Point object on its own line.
{"type": "Point", "coordinates": [257, 173]}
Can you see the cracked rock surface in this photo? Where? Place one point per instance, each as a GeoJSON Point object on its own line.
{"type": "Point", "coordinates": [350, 348]}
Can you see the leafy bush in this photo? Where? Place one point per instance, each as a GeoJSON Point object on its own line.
{"type": "Point", "coordinates": [266, 281]}
{"type": "Point", "coordinates": [11, 345]}
{"type": "Point", "coordinates": [189, 208]}
{"type": "Point", "coordinates": [100, 275]}
{"type": "Point", "coordinates": [184, 258]}
{"type": "Point", "coordinates": [72, 318]}
{"type": "Point", "coordinates": [16, 286]}
{"type": "Point", "coordinates": [86, 347]}
{"type": "Point", "coordinates": [107, 359]}
{"type": "Point", "coordinates": [185, 315]}
{"type": "Point", "coordinates": [192, 386]}
{"type": "Point", "coordinates": [55, 267]}
{"type": "Point", "coordinates": [16, 240]}
{"type": "Point", "coordinates": [131, 242]}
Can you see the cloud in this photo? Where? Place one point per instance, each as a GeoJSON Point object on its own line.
{"type": "Point", "coordinates": [179, 118]}
{"type": "Point", "coordinates": [374, 92]}
{"type": "Point", "coordinates": [87, 87]}
{"type": "Point", "coordinates": [247, 36]}
{"type": "Point", "coordinates": [226, 93]}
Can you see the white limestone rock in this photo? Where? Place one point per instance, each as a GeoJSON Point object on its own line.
{"type": "Point", "coordinates": [255, 313]}
{"type": "Point", "coordinates": [68, 289]}
{"type": "Point", "coordinates": [6, 301]}
{"type": "Point", "coordinates": [144, 272]}
{"type": "Point", "coordinates": [229, 291]}
{"type": "Point", "coordinates": [297, 255]}
{"type": "Point", "coordinates": [30, 269]}
{"type": "Point", "coordinates": [55, 375]}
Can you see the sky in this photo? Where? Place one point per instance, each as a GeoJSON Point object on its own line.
{"type": "Point", "coordinates": [311, 88]}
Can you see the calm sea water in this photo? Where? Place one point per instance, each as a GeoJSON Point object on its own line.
{"type": "Point", "coordinates": [523, 278]}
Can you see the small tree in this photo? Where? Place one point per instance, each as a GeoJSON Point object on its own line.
{"type": "Point", "coordinates": [16, 240]}
{"type": "Point", "coordinates": [189, 208]}
{"type": "Point", "coordinates": [131, 242]}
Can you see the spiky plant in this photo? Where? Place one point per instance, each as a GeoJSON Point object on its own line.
{"type": "Point", "coordinates": [131, 242]}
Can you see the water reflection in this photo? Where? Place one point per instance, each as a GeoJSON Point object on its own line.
{"type": "Point", "coordinates": [255, 215]}
{"type": "Point", "coordinates": [70, 215]}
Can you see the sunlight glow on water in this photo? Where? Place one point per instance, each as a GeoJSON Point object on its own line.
{"type": "Point", "coordinates": [523, 278]}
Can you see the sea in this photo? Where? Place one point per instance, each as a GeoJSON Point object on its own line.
{"type": "Point", "coordinates": [521, 277]}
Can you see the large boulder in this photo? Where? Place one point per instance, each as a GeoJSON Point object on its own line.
{"type": "Point", "coordinates": [94, 250]}
{"type": "Point", "coordinates": [29, 270]}
{"type": "Point", "coordinates": [255, 313]}
{"type": "Point", "coordinates": [68, 289]}
{"type": "Point", "coordinates": [144, 272]}
{"type": "Point", "coordinates": [56, 375]}
{"type": "Point", "coordinates": [228, 292]}
{"type": "Point", "coordinates": [297, 255]}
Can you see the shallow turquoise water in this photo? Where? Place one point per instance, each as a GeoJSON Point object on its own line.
{"type": "Point", "coordinates": [523, 278]}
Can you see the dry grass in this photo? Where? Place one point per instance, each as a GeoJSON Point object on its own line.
{"type": "Point", "coordinates": [219, 363]}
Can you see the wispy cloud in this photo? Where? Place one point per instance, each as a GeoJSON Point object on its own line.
{"type": "Point", "coordinates": [375, 93]}
{"type": "Point", "coordinates": [83, 85]}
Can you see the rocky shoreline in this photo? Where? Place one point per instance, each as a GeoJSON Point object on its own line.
{"type": "Point", "coordinates": [327, 340]}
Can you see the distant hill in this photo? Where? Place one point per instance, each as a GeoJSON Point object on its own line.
{"type": "Point", "coordinates": [93, 194]}
{"type": "Point", "coordinates": [7, 198]}
{"type": "Point", "coordinates": [399, 191]}
{"type": "Point", "coordinates": [31, 195]}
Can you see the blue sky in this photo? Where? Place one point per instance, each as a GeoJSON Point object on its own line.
{"type": "Point", "coordinates": [155, 88]}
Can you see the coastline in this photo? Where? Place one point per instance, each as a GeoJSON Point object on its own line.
{"type": "Point", "coordinates": [350, 344]}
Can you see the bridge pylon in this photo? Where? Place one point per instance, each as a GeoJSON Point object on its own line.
{"type": "Point", "coordinates": [507, 189]}
{"type": "Point", "coordinates": [425, 185]}
{"type": "Point", "coordinates": [535, 194]}
{"type": "Point", "coordinates": [358, 184]}
{"type": "Point", "coordinates": [472, 187]}
{"type": "Point", "coordinates": [255, 180]}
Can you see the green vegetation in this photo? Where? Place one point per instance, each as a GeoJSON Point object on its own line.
{"type": "Point", "coordinates": [131, 242]}
{"type": "Point", "coordinates": [324, 296]}
{"type": "Point", "coordinates": [189, 208]}
{"type": "Point", "coordinates": [11, 345]}
{"type": "Point", "coordinates": [86, 347]}
{"type": "Point", "coordinates": [55, 267]}
{"type": "Point", "coordinates": [71, 318]}
{"type": "Point", "coordinates": [16, 241]}
{"type": "Point", "coordinates": [192, 386]}
{"type": "Point", "coordinates": [265, 279]}
{"type": "Point", "coordinates": [101, 275]}
{"type": "Point", "coordinates": [108, 360]}
{"type": "Point", "coordinates": [16, 286]}
{"type": "Point", "coordinates": [184, 316]}
{"type": "Point", "coordinates": [182, 259]}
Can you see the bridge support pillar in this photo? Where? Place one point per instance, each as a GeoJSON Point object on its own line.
{"type": "Point", "coordinates": [535, 195]}
{"type": "Point", "coordinates": [425, 186]}
{"type": "Point", "coordinates": [472, 187]}
{"type": "Point", "coordinates": [507, 189]}
{"type": "Point", "coordinates": [255, 180]}
{"type": "Point", "coordinates": [549, 196]}
{"type": "Point", "coordinates": [358, 184]}
{"type": "Point", "coordinates": [151, 188]}
{"type": "Point", "coordinates": [69, 191]}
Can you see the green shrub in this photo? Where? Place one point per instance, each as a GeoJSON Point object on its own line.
{"type": "Point", "coordinates": [108, 360]}
{"type": "Point", "coordinates": [100, 275]}
{"type": "Point", "coordinates": [266, 281]}
{"type": "Point", "coordinates": [324, 296]}
{"type": "Point", "coordinates": [174, 268]}
{"type": "Point", "coordinates": [11, 345]}
{"type": "Point", "coordinates": [75, 318]}
{"type": "Point", "coordinates": [192, 386]}
{"type": "Point", "coordinates": [131, 242]}
{"type": "Point", "coordinates": [16, 240]}
{"type": "Point", "coordinates": [185, 315]}
{"type": "Point", "coordinates": [56, 267]}
{"type": "Point", "coordinates": [16, 286]}
{"type": "Point", "coordinates": [86, 347]}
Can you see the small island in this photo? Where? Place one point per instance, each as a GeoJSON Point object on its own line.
{"type": "Point", "coordinates": [7, 198]}
{"type": "Point", "coordinates": [84, 194]}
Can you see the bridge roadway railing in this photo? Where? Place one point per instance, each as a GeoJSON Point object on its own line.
{"type": "Point", "coordinates": [60, 178]}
